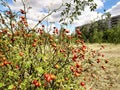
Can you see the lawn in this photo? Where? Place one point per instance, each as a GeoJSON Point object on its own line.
{"type": "Point", "coordinates": [112, 53]}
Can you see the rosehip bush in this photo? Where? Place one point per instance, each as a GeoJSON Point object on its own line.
{"type": "Point", "coordinates": [32, 59]}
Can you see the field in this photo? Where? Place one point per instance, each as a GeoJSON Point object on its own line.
{"type": "Point", "coordinates": [112, 53]}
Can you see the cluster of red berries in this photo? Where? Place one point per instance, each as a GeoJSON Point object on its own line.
{"type": "Point", "coordinates": [55, 30]}
{"type": "Point", "coordinates": [40, 31]}
{"type": "Point", "coordinates": [24, 21]}
{"type": "Point", "coordinates": [77, 69]}
{"type": "Point", "coordinates": [78, 31]}
{"type": "Point", "coordinates": [5, 63]}
{"type": "Point", "coordinates": [49, 77]}
{"type": "Point", "coordinates": [36, 83]}
{"type": "Point", "coordinates": [34, 42]}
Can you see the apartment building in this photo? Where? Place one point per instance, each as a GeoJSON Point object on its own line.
{"type": "Point", "coordinates": [102, 23]}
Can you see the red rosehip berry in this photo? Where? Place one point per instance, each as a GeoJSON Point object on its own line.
{"type": "Point", "coordinates": [106, 61]}
{"type": "Point", "coordinates": [34, 44]}
{"type": "Point", "coordinates": [77, 65]}
{"type": "Point", "coordinates": [22, 11]}
{"type": "Point", "coordinates": [82, 83]}
{"type": "Point", "coordinates": [35, 81]}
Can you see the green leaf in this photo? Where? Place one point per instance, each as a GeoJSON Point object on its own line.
{"type": "Point", "coordinates": [28, 64]}
{"type": "Point", "coordinates": [10, 86]}
{"type": "Point", "coordinates": [23, 86]}
{"type": "Point", "coordinates": [61, 20]}
{"type": "Point", "coordinates": [18, 57]}
{"type": "Point", "coordinates": [11, 73]}
{"type": "Point", "coordinates": [40, 56]}
{"type": "Point", "coordinates": [79, 13]}
{"type": "Point", "coordinates": [1, 85]}
{"type": "Point", "coordinates": [40, 70]}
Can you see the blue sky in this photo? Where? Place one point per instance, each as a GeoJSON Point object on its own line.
{"type": "Point", "coordinates": [112, 6]}
{"type": "Point", "coordinates": [108, 4]}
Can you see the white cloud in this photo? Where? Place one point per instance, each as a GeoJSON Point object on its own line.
{"type": "Point", "coordinates": [88, 16]}
{"type": "Point", "coordinates": [115, 10]}
{"type": "Point", "coordinates": [31, 23]}
{"type": "Point", "coordinates": [100, 3]}
{"type": "Point", "coordinates": [40, 9]}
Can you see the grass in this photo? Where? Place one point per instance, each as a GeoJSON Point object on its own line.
{"type": "Point", "coordinates": [112, 53]}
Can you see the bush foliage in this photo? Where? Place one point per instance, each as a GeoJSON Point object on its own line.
{"type": "Point", "coordinates": [94, 34]}
{"type": "Point", "coordinates": [33, 59]}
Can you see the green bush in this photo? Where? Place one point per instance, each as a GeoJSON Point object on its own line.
{"type": "Point", "coordinates": [93, 35]}
{"type": "Point", "coordinates": [96, 37]}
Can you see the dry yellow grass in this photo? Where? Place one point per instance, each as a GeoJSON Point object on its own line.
{"type": "Point", "coordinates": [112, 53]}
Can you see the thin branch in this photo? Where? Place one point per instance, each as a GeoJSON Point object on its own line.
{"type": "Point", "coordinates": [24, 7]}
{"type": "Point", "coordinates": [5, 22]}
{"type": "Point", "coordinates": [47, 16]}
{"type": "Point", "coordinates": [11, 14]}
